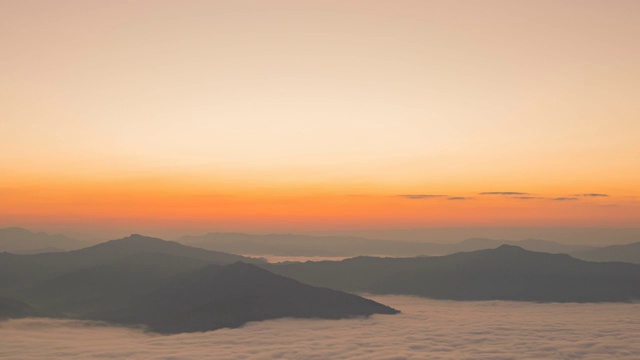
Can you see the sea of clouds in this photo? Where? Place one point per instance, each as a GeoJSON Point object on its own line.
{"type": "Point", "coordinates": [426, 329]}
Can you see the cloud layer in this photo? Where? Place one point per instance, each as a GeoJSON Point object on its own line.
{"type": "Point", "coordinates": [426, 329]}
{"type": "Point", "coordinates": [420, 196]}
{"type": "Point", "coordinates": [516, 195]}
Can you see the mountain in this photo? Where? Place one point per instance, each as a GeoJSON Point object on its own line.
{"type": "Point", "coordinates": [164, 285]}
{"type": "Point", "coordinates": [284, 244]}
{"type": "Point", "coordinates": [10, 308]}
{"type": "Point", "coordinates": [625, 253]}
{"type": "Point", "coordinates": [344, 246]}
{"type": "Point", "coordinates": [553, 247]}
{"type": "Point", "coordinates": [108, 286]}
{"type": "Point", "coordinates": [229, 296]}
{"type": "Point", "coordinates": [18, 240]}
{"type": "Point", "coordinates": [505, 273]}
{"type": "Point", "coordinates": [136, 244]}
{"type": "Point", "coordinates": [22, 271]}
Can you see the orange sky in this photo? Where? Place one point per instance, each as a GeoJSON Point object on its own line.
{"type": "Point", "coordinates": [309, 115]}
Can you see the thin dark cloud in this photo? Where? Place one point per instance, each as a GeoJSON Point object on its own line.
{"type": "Point", "coordinates": [459, 198]}
{"type": "Point", "coordinates": [505, 193]}
{"type": "Point", "coordinates": [593, 195]}
{"type": "Point", "coordinates": [421, 196]}
{"type": "Point", "coordinates": [434, 329]}
{"type": "Point", "coordinates": [527, 197]}
{"type": "Point", "coordinates": [565, 198]}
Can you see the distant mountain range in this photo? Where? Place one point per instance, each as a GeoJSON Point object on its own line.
{"type": "Point", "coordinates": [624, 253]}
{"type": "Point", "coordinates": [289, 244]}
{"type": "Point", "coordinates": [505, 273]}
{"type": "Point", "coordinates": [21, 271]}
{"type": "Point", "coordinates": [339, 246]}
{"type": "Point", "coordinates": [168, 287]}
{"type": "Point", "coordinates": [20, 241]}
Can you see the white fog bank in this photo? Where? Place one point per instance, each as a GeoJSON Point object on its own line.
{"type": "Point", "coordinates": [426, 329]}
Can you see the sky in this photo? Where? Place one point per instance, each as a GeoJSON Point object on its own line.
{"type": "Point", "coordinates": [442, 329]}
{"type": "Point", "coordinates": [319, 115]}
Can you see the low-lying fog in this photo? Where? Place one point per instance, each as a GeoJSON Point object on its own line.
{"type": "Point", "coordinates": [426, 329]}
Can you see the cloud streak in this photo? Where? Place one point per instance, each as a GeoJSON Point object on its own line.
{"type": "Point", "coordinates": [593, 195]}
{"type": "Point", "coordinates": [421, 196]}
{"type": "Point", "coordinates": [564, 199]}
{"type": "Point", "coordinates": [425, 329]}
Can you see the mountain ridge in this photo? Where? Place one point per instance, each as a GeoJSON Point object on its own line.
{"type": "Point", "coordinates": [348, 246]}
{"type": "Point", "coordinates": [504, 273]}
{"type": "Point", "coordinates": [621, 253]}
{"type": "Point", "coordinates": [215, 297]}
{"type": "Point", "coordinates": [175, 289]}
{"type": "Point", "coordinates": [22, 271]}
{"type": "Point", "coordinates": [20, 240]}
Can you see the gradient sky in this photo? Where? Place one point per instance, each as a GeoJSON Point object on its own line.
{"type": "Point", "coordinates": [306, 115]}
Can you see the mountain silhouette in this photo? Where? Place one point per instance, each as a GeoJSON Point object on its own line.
{"type": "Point", "coordinates": [108, 286]}
{"type": "Point", "coordinates": [216, 296]}
{"type": "Point", "coordinates": [538, 245]}
{"type": "Point", "coordinates": [505, 273]}
{"type": "Point", "coordinates": [624, 253]}
{"type": "Point", "coordinates": [22, 271]}
{"type": "Point", "coordinates": [21, 241]}
{"type": "Point", "coordinates": [11, 308]}
{"type": "Point", "coordinates": [341, 246]}
{"type": "Point", "coordinates": [166, 286]}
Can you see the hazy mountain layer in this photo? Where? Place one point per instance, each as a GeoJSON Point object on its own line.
{"type": "Point", "coordinates": [22, 271]}
{"type": "Point", "coordinates": [164, 285]}
{"type": "Point", "coordinates": [624, 253]}
{"type": "Point", "coordinates": [505, 273]}
{"type": "Point", "coordinates": [21, 241]}
{"type": "Point", "coordinates": [305, 245]}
